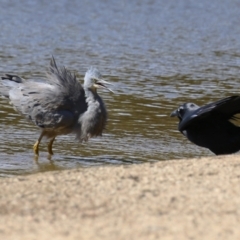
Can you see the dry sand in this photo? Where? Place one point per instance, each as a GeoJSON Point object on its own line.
{"type": "Point", "coordinates": [182, 199]}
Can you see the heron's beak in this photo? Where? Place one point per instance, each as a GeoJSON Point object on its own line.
{"type": "Point", "coordinates": [102, 84]}
{"type": "Point", "coordinates": [174, 114]}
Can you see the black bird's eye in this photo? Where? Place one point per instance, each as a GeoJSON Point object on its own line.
{"type": "Point", "coordinates": [180, 111]}
{"type": "Point", "coordinates": [192, 105]}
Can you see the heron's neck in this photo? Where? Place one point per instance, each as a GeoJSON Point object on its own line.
{"type": "Point", "coordinates": [91, 95]}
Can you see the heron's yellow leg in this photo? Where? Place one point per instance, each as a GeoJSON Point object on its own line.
{"type": "Point", "coordinates": [50, 146]}
{"type": "Point", "coordinates": [36, 145]}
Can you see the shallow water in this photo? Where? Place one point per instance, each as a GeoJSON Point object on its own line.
{"type": "Point", "coordinates": [157, 54]}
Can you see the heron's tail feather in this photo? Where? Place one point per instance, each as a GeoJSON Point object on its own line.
{"type": "Point", "coordinates": [9, 82]}
{"type": "Point", "coordinates": [13, 78]}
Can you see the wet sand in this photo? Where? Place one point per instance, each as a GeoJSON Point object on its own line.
{"type": "Point", "coordinates": [178, 199]}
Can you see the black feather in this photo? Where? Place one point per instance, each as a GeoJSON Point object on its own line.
{"type": "Point", "coordinates": [212, 126]}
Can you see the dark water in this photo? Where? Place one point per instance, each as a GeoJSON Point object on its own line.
{"type": "Point", "coordinates": [158, 54]}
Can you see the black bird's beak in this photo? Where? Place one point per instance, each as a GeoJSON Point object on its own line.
{"type": "Point", "coordinates": [174, 114]}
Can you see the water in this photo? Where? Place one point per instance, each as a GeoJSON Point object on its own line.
{"type": "Point", "coordinates": [158, 55]}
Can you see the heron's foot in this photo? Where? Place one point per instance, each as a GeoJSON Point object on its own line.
{"type": "Point", "coordinates": [36, 148]}
{"type": "Point", "coordinates": [50, 151]}
{"type": "Point", "coordinates": [36, 159]}
{"type": "Point", "coordinates": [49, 157]}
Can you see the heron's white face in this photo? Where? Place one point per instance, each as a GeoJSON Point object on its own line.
{"type": "Point", "coordinates": [93, 80]}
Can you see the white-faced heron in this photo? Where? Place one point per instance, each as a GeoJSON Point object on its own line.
{"type": "Point", "coordinates": [59, 105]}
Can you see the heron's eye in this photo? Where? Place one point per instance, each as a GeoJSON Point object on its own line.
{"type": "Point", "coordinates": [192, 105]}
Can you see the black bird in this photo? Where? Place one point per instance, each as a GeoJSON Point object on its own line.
{"type": "Point", "coordinates": [215, 126]}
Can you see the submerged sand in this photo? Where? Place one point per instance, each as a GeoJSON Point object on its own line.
{"type": "Point", "coordinates": [178, 199]}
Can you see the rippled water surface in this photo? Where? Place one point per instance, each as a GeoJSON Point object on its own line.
{"type": "Point", "coordinates": [158, 55]}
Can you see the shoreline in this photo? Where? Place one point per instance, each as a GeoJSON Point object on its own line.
{"type": "Point", "coordinates": [175, 199]}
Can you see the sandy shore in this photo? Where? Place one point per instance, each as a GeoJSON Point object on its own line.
{"type": "Point", "coordinates": [183, 199]}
